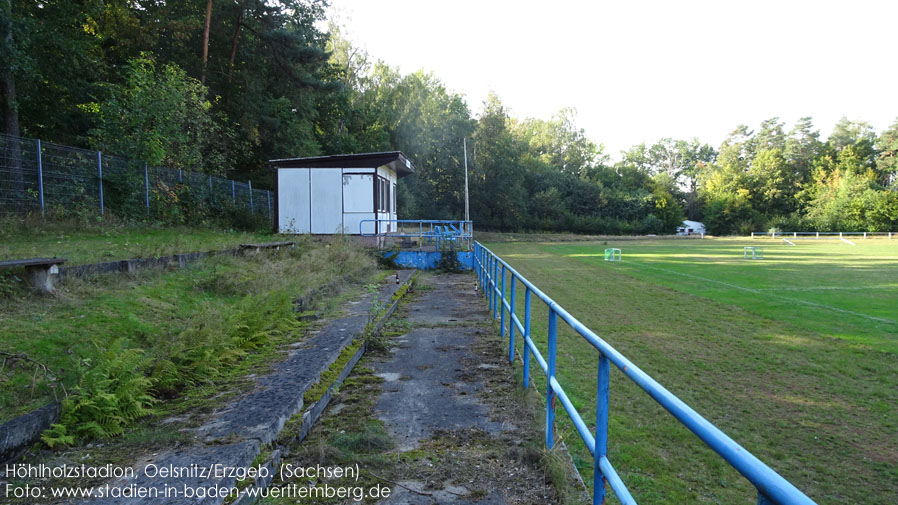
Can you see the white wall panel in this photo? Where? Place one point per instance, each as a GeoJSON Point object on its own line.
{"type": "Point", "coordinates": [353, 220]}
{"type": "Point", "coordinates": [293, 200]}
{"type": "Point", "coordinates": [358, 193]}
{"type": "Point", "coordinates": [327, 200]}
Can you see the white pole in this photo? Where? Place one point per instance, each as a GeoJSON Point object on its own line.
{"type": "Point", "coordinates": [467, 210]}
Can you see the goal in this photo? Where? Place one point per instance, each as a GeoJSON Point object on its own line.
{"type": "Point", "coordinates": [753, 253]}
{"type": "Point", "coordinates": [612, 254]}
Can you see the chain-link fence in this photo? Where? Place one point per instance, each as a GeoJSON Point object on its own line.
{"type": "Point", "coordinates": [43, 177]}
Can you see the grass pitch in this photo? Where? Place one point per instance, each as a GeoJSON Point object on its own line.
{"type": "Point", "coordinates": [794, 356]}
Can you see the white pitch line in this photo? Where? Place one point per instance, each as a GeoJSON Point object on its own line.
{"type": "Point", "coordinates": [830, 288]}
{"type": "Point", "coordinates": [847, 241]}
{"type": "Point", "coordinates": [796, 300]}
{"type": "Point", "coordinates": [789, 241]}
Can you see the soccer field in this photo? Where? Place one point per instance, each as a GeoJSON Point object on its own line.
{"type": "Point", "coordinates": [795, 356]}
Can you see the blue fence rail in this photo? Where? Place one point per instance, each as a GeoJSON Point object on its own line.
{"type": "Point", "coordinates": [438, 232]}
{"type": "Point", "coordinates": [498, 281]}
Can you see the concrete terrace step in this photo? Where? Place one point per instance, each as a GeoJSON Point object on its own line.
{"type": "Point", "coordinates": [235, 434]}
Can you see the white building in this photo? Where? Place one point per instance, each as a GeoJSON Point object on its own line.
{"type": "Point", "coordinates": [691, 228]}
{"type": "Point", "coordinates": [335, 194]}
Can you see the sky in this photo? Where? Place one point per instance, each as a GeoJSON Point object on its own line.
{"type": "Point", "coordinates": [637, 71]}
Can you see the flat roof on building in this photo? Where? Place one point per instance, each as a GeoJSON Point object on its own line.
{"type": "Point", "coordinates": [392, 159]}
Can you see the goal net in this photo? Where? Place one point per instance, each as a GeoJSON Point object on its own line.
{"type": "Point", "coordinates": [612, 254]}
{"type": "Point", "coordinates": [753, 253]}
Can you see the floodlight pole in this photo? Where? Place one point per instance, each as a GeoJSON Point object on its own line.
{"type": "Point", "coordinates": [467, 210]}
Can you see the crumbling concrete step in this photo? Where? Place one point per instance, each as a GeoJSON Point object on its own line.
{"type": "Point", "coordinates": [236, 433]}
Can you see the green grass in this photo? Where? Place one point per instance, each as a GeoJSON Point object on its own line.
{"type": "Point", "coordinates": [81, 244]}
{"type": "Point", "coordinates": [794, 356]}
{"type": "Point", "coordinates": [172, 316]}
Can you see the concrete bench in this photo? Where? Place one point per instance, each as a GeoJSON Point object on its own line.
{"type": "Point", "coordinates": [255, 248]}
{"type": "Point", "coordinates": [40, 272]}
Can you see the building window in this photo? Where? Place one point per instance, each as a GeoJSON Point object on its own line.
{"type": "Point", "coordinates": [383, 195]}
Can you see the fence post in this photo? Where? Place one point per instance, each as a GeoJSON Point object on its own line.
{"type": "Point", "coordinates": [550, 374]}
{"type": "Point", "coordinates": [233, 194]}
{"type": "Point", "coordinates": [250, 184]}
{"type": "Point", "coordinates": [146, 187]}
{"type": "Point", "coordinates": [526, 337]}
{"type": "Point", "coordinates": [268, 199]}
{"type": "Point", "coordinates": [211, 193]}
{"type": "Point", "coordinates": [480, 259]}
{"type": "Point", "coordinates": [511, 322]}
{"type": "Point", "coordinates": [502, 306]}
{"type": "Point", "coordinates": [100, 177]}
{"type": "Point", "coordinates": [495, 287]}
{"type": "Point", "coordinates": [40, 176]}
{"type": "Point", "coordinates": [491, 285]}
{"type": "Point", "coordinates": [601, 448]}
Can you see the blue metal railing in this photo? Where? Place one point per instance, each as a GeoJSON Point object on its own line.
{"type": "Point", "coordinates": [426, 231]}
{"type": "Point", "coordinates": [492, 273]}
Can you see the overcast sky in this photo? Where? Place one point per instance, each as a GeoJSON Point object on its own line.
{"type": "Point", "coordinates": [640, 70]}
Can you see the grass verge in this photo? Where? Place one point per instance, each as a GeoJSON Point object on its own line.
{"type": "Point", "coordinates": [81, 242]}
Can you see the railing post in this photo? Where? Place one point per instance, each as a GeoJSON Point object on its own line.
{"type": "Point", "coordinates": [478, 256]}
{"type": "Point", "coordinates": [550, 373]}
{"type": "Point", "coordinates": [250, 185]}
{"type": "Point", "coordinates": [489, 280]}
{"type": "Point", "coordinates": [511, 322]}
{"type": "Point", "coordinates": [100, 177]}
{"type": "Point", "coordinates": [526, 337]}
{"type": "Point", "coordinates": [483, 271]}
{"type": "Point", "coordinates": [40, 176]}
{"type": "Point", "coordinates": [233, 194]}
{"type": "Point", "coordinates": [268, 199]}
{"type": "Point", "coordinates": [601, 448]}
{"type": "Point", "coordinates": [502, 306]}
{"type": "Point", "coordinates": [211, 193]}
{"type": "Point", "coordinates": [477, 267]}
{"type": "Point", "coordinates": [495, 287]}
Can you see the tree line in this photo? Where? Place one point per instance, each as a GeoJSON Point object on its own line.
{"type": "Point", "coordinates": [222, 86]}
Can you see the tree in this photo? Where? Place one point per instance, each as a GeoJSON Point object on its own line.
{"type": "Point", "coordinates": [802, 147]}
{"type": "Point", "coordinates": [560, 144]}
{"type": "Point", "coordinates": [887, 162]}
{"type": "Point", "coordinates": [160, 116]}
{"type": "Point", "coordinates": [497, 196]}
{"type": "Point", "coordinates": [10, 102]}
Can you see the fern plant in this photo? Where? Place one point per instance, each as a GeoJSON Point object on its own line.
{"type": "Point", "coordinates": [111, 393]}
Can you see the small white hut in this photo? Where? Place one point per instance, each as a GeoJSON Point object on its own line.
{"type": "Point", "coordinates": [338, 194]}
{"type": "Point", "coordinates": [691, 228]}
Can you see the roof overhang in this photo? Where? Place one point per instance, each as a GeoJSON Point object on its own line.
{"type": "Point", "coordinates": [394, 160]}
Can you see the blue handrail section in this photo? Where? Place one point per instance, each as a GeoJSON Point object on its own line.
{"type": "Point", "coordinates": [492, 273]}
{"type": "Point", "coordinates": [427, 231]}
